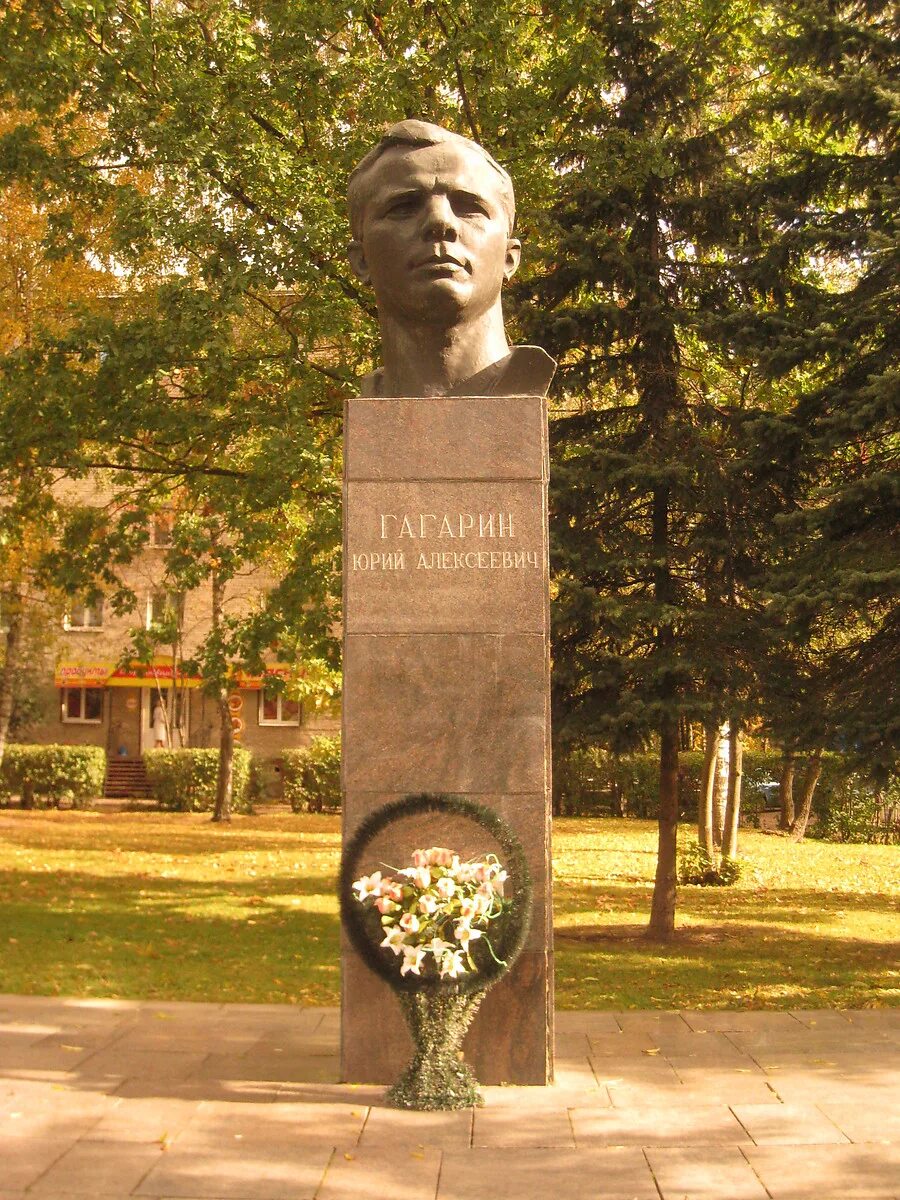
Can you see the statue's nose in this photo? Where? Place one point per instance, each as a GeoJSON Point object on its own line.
{"type": "Point", "coordinates": [439, 219]}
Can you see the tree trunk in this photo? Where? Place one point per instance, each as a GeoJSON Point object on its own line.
{"type": "Point", "coordinates": [662, 912]}
{"type": "Point", "coordinates": [807, 791]}
{"type": "Point", "coordinates": [733, 801]}
{"type": "Point", "coordinates": [225, 780]}
{"type": "Point", "coordinates": [786, 792]}
{"type": "Point", "coordinates": [720, 787]}
{"type": "Point", "coordinates": [11, 662]}
{"type": "Point", "coordinates": [707, 787]}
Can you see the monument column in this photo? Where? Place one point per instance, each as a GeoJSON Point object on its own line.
{"type": "Point", "coordinates": [446, 676]}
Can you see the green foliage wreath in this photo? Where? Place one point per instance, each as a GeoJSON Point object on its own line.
{"type": "Point", "coordinates": [514, 925]}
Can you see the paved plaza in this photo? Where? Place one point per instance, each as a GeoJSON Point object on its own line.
{"type": "Point", "coordinates": [110, 1098]}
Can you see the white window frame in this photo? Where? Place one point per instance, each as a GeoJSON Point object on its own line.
{"type": "Point", "coordinates": [289, 723]}
{"type": "Point", "coordinates": [64, 708]}
{"type": "Point", "coordinates": [97, 607]}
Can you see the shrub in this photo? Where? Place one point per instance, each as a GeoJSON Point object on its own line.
{"type": "Point", "coordinates": [185, 780]}
{"type": "Point", "coordinates": [854, 809]}
{"type": "Point", "coordinates": [695, 866]}
{"type": "Point", "coordinates": [53, 774]}
{"type": "Point", "coordinates": [312, 776]}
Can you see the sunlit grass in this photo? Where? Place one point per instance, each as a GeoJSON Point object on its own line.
{"type": "Point", "coordinates": [169, 906]}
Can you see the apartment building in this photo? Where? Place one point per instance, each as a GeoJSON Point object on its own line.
{"type": "Point", "coordinates": [92, 693]}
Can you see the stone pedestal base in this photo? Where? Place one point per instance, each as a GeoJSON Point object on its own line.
{"type": "Point", "coordinates": [446, 677]}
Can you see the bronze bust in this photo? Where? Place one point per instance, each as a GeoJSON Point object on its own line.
{"type": "Point", "coordinates": [432, 217]}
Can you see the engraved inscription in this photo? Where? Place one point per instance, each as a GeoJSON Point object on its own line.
{"type": "Point", "coordinates": [446, 525]}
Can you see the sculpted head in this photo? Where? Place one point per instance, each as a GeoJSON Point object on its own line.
{"type": "Point", "coordinates": [432, 215]}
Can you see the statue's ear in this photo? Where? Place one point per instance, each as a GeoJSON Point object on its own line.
{"type": "Point", "coordinates": [513, 257]}
{"type": "Point", "coordinates": [358, 261]}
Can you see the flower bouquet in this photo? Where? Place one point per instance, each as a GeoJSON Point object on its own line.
{"type": "Point", "coordinates": [440, 931]}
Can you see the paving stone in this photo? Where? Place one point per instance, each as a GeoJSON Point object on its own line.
{"type": "Point", "coordinates": [593, 1024]}
{"type": "Point", "coordinates": [681, 1124]}
{"type": "Point", "coordinates": [218, 1122]}
{"type": "Point", "coordinates": [404, 1173]}
{"type": "Point", "coordinates": [822, 1018]}
{"type": "Point", "coordinates": [787, 1124]}
{"type": "Point", "coordinates": [571, 1045]}
{"type": "Point", "coordinates": [146, 1064]}
{"type": "Point", "coordinates": [872, 1122]}
{"type": "Point", "coordinates": [98, 1168]}
{"type": "Point", "coordinates": [149, 1120]}
{"type": "Point", "coordinates": [390, 1127]}
{"type": "Point", "coordinates": [621, 1045]}
{"type": "Point", "coordinates": [24, 1160]}
{"type": "Point", "coordinates": [613, 1174]}
{"type": "Point", "coordinates": [745, 1020]}
{"type": "Point", "coordinates": [509, 1127]}
{"type": "Point", "coordinates": [249, 1173]}
{"type": "Point", "coordinates": [704, 1173]}
{"type": "Point", "coordinates": [708, 1085]}
{"type": "Point", "coordinates": [655, 1022]}
{"type": "Point", "coordinates": [827, 1172]}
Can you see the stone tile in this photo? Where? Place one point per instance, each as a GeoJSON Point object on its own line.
{"type": "Point", "coordinates": [787, 1124]}
{"type": "Point", "coordinates": [655, 1022]}
{"type": "Point", "coordinates": [237, 1090]}
{"type": "Point", "coordinates": [401, 1173]}
{"type": "Point", "coordinates": [621, 1045]}
{"type": "Point", "coordinates": [98, 1168]}
{"type": "Point", "coordinates": [149, 1121]}
{"type": "Point", "coordinates": [464, 582]}
{"type": "Point", "coordinates": [493, 699]}
{"type": "Point", "coordinates": [827, 1172]}
{"type": "Point", "coordinates": [797, 1087]}
{"type": "Point", "coordinates": [218, 1122]}
{"type": "Point", "coordinates": [621, 1173]}
{"type": "Point", "coordinates": [248, 1173]}
{"type": "Point", "coordinates": [24, 1160]}
{"type": "Point", "coordinates": [271, 1068]}
{"type": "Point", "coordinates": [635, 1072]}
{"type": "Point", "coordinates": [504, 438]}
{"type": "Point", "coordinates": [515, 1127]}
{"type": "Point", "coordinates": [681, 1124]}
{"type": "Point", "coordinates": [571, 1046]}
{"type": "Point", "coordinates": [146, 1064]}
{"type": "Point", "coordinates": [823, 1018]}
{"type": "Point", "coordinates": [45, 1057]}
{"type": "Point", "coordinates": [872, 1122]}
{"type": "Point", "coordinates": [388, 1127]}
{"type": "Point", "coordinates": [594, 1024]}
{"type": "Point", "coordinates": [746, 1021]}
{"type": "Point", "coordinates": [704, 1173]}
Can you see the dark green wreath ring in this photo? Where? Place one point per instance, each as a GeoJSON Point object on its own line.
{"type": "Point", "coordinates": [515, 922]}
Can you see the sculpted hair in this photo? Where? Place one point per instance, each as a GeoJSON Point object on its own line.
{"type": "Point", "coordinates": [413, 134]}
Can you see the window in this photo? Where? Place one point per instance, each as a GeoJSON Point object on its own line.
{"type": "Point", "coordinates": [278, 710]}
{"type": "Point", "coordinates": [163, 607]}
{"type": "Point", "coordinates": [161, 530]}
{"type": "Point", "coordinates": [85, 616]}
{"type": "Point", "coordinates": [82, 705]}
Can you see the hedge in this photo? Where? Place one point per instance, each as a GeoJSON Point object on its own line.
{"type": "Point", "coordinates": [312, 776]}
{"type": "Point", "coordinates": [50, 775]}
{"type": "Point", "coordinates": [185, 780]}
{"type": "Point", "coordinates": [597, 782]}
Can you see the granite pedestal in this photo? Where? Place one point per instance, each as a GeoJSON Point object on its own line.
{"type": "Point", "coordinates": [446, 677]}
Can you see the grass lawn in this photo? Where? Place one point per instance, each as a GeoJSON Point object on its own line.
{"type": "Point", "coordinates": [169, 906]}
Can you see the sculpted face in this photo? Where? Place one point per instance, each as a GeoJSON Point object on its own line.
{"type": "Point", "coordinates": [434, 238]}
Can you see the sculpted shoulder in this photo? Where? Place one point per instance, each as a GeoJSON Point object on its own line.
{"type": "Point", "coordinates": [525, 371]}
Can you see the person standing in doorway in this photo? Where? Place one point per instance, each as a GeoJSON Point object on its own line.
{"type": "Point", "coordinates": [160, 727]}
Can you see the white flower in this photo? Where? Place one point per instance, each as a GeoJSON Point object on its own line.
{"type": "Point", "coordinates": [438, 947]}
{"type": "Point", "coordinates": [368, 885]}
{"type": "Point", "coordinates": [412, 960]}
{"type": "Point", "coordinates": [452, 964]}
{"type": "Point", "coordinates": [395, 940]}
{"type": "Point", "coordinates": [464, 933]}
{"type": "Point", "coordinates": [446, 887]}
{"type": "Point", "coordinates": [409, 923]}
{"type": "Point", "coordinates": [427, 905]}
